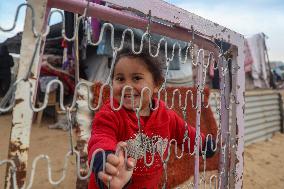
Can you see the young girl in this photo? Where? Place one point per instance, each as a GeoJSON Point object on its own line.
{"type": "Point", "coordinates": [120, 128]}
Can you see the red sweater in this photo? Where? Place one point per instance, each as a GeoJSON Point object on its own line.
{"type": "Point", "coordinates": [111, 127]}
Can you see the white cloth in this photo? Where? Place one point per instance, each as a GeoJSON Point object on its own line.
{"type": "Point", "coordinates": [44, 80]}
{"type": "Point", "coordinates": [98, 69]}
{"type": "Point", "coordinates": [182, 77]}
{"type": "Point", "coordinates": [259, 67]}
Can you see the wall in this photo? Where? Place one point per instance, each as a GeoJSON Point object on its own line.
{"type": "Point", "coordinates": [263, 114]}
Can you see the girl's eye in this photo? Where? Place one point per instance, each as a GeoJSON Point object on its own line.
{"type": "Point", "coordinates": [137, 78]}
{"type": "Point", "coordinates": [119, 78]}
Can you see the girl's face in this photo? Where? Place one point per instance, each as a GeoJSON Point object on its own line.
{"type": "Point", "coordinates": [132, 71]}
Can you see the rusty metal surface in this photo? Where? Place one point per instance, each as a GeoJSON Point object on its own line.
{"type": "Point", "coordinates": [238, 113]}
{"type": "Point", "coordinates": [82, 133]}
{"type": "Point", "coordinates": [224, 122]}
{"type": "Point", "coordinates": [22, 115]}
{"type": "Point", "coordinates": [182, 18]}
{"type": "Point", "coordinates": [200, 88]}
{"type": "Point", "coordinates": [131, 20]}
{"type": "Point", "coordinates": [84, 168]}
{"type": "Point", "coordinates": [233, 129]}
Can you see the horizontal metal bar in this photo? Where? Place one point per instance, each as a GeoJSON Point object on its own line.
{"type": "Point", "coordinates": [261, 103]}
{"type": "Point", "coordinates": [258, 139]}
{"type": "Point", "coordinates": [254, 116]}
{"type": "Point", "coordinates": [125, 18]}
{"type": "Point", "coordinates": [250, 96]}
{"type": "Point", "coordinates": [260, 134]}
{"type": "Point", "coordinates": [263, 109]}
{"type": "Point", "coordinates": [260, 92]}
{"type": "Point", "coordinates": [262, 120]}
{"type": "Point", "coordinates": [264, 97]}
{"type": "Point", "coordinates": [182, 18]}
{"type": "Point", "coordinates": [262, 127]}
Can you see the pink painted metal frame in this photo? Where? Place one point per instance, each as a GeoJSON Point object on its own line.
{"type": "Point", "coordinates": [181, 25]}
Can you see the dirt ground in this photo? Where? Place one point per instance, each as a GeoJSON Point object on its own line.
{"type": "Point", "coordinates": [264, 161]}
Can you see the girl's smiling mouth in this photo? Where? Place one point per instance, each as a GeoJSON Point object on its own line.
{"type": "Point", "coordinates": [129, 96]}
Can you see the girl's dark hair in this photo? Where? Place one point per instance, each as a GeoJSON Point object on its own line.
{"type": "Point", "coordinates": [154, 64]}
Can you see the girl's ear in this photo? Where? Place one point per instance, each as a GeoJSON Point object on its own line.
{"type": "Point", "coordinates": [158, 86]}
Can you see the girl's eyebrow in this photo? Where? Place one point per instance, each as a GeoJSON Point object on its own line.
{"type": "Point", "coordinates": [118, 74]}
{"type": "Point", "coordinates": [137, 74]}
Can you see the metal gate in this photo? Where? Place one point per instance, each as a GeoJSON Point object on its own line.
{"type": "Point", "coordinates": [179, 24]}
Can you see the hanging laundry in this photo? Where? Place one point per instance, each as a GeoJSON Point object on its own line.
{"type": "Point", "coordinates": [259, 69]}
{"type": "Point", "coordinates": [96, 26]}
{"type": "Point", "coordinates": [248, 57]}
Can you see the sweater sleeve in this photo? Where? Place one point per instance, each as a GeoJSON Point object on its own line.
{"type": "Point", "coordinates": [98, 166]}
{"type": "Point", "coordinates": [104, 136]}
{"type": "Point", "coordinates": [104, 132]}
{"type": "Point", "coordinates": [180, 130]}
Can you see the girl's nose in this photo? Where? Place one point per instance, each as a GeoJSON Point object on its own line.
{"type": "Point", "coordinates": [127, 86]}
{"type": "Point", "coordinates": [128, 83]}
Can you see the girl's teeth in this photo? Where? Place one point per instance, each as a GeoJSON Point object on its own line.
{"type": "Point", "coordinates": [130, 96]}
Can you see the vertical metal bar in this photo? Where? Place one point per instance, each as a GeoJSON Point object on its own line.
{"type": "Point", "coordinates": [199, 91]}
{"type": "Point", "coordinates": [82, 133]}
{"type": "Point", "coordinates": [22, 115]}
{"type": "Point", "coordinates": [224, 122]}
{"type": "Point", "coordinates": [233, 129]}
{"type": "Point", "coordinates": [76, 49]}
{"type": "Point", "coordinates": [238, 113]}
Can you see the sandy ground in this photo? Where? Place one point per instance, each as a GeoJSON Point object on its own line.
{"type": "Point", "coordinates": [264, 164]}
{"type": "Point", "coordinates": [53, 143]}
{"type": "Point", "coordinates": [264, 161]}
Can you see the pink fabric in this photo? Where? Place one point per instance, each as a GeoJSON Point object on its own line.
{"type": "Point", "coordinates": [96, 24]}
{"type": "Point", "coordinates": [211, 70]}
{"type": "Point", "coordinates": [248, 58]}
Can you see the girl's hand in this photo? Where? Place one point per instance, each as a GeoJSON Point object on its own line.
{"type": "Point", "coordinates": [117, 172]}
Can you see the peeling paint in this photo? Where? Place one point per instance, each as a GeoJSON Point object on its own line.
{"type": "Point", "coordinates": [237, 130]}
{"type": "Point", "coordinates": [17, 147]}
{"type": "Point", "coordinates": [18, 101]}
{"type": "Point", "coordinates": [22, 113]}
{"type": "Point", "coordinates": [81, 144]}
{"type": "Point", "coordinates": [21, 170]}
{"type": "Point", "coordinates": [224, 30]}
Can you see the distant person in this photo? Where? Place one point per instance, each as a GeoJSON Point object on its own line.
{"type": "Point", "coordinates": [6, 62]}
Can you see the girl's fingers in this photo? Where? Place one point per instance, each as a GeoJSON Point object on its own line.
{"type": "Point", "coordinates": [130, 164]}
{"type": "Point", "coordinates": [122, 144]}
{"type": "Point", "coordinates": [104, 177]}
{"type": "Point", "coordinates": [111, 170]}
{"type": "Point", "coordinates": [120, 148]}
{"type": "Point", "coordinates": [113, 159]}
{"type": "Point", "coordinates": [120, 151]}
